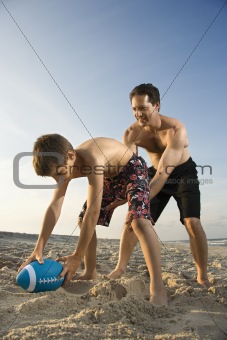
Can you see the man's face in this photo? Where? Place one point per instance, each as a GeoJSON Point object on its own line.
{"type": "Point", "coordinates": [143, 110]}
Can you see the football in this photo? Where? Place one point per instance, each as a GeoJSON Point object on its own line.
{"type": "Point", "coordinates": [36, 277]}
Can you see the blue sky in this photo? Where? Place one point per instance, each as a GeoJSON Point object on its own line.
{"type": "Point", "coordinates": [96, 52]}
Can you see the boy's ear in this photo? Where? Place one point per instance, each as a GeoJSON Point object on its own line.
{"type": "Point", "coordinates": [71, 154]}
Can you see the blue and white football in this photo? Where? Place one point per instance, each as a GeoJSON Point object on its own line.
{"type": "Point", "coordinates": [36, 277]}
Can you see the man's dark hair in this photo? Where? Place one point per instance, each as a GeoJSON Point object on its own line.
{"type": "Point", "coordinates": [148, 89]}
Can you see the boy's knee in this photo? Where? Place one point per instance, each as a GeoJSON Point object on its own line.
{"type": "Point", "coordinates": [79, 222]}
{"type": "Point", "coordinates": [140, 224]}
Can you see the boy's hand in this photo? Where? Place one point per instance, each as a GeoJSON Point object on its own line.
{"type": "Point", "coordinates": [71, 264]}
{"type": "Point", "coordinates": [33, 257]}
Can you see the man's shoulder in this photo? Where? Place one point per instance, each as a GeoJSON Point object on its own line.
{"type": "Point", "coordinates": [130, 132]}
{"type": "Point", "coordinates": [172, 121]}
{"type": "Point", "coordinates": [132, 128]}
{"type": "Point", "coordinates": [172, 125]}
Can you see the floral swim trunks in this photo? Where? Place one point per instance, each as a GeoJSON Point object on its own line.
{"type": "Point", "coordinates": [130, 183]}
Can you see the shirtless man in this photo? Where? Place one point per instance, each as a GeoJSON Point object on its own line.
{"type": "Point", "coordinates": [173, 173]}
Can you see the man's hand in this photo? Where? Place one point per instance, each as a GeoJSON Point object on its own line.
{"type": "Point", "coordinates": [115, 204]}
{"type": "Point", "coordinates": [36, 255]}
{"type": "Point", "coordinates": [71, 264]}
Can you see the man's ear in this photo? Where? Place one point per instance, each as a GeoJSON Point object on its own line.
{"type": "Point", "coordinates": [71, 154]}
{"type": "Point", "coordinates": [158, 106]}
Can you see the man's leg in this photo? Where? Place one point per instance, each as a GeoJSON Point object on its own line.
{"type": "Point", "coordinates": [127, 244]}
{"type": "Point", "coordinates": [199, 248]}
{"type": "Point", "coordinates": [151, 250]}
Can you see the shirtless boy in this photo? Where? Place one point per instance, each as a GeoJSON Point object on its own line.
{"type": "Point", "coordinates": [173, 173]}
{"type": "Point", "coordinates": [102, 161]}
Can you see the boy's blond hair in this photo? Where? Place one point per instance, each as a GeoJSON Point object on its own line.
{"type": "Point", "coordinates": [46, 165]}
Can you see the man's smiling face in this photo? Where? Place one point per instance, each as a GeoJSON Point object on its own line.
{"type": "Point", "coordinates": [143, 110]}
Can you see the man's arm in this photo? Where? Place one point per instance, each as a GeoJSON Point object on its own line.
{"type": "Point", "coordinates": [129, 141]}
{"type": "Point", "coordinates": [169, 160]}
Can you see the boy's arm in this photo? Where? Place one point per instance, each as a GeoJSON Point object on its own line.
{"type": "Point", "coordinates": [50, 219]}
{"type": "Point", "coordinates": [52, 215]}
{"type": "Point", "coordinates": [94, 199]}
{"type": "Point", "coordinates": [169, 160]}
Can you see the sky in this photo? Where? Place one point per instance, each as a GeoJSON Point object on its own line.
{"type": "Point", "coordinates": [67, 67]}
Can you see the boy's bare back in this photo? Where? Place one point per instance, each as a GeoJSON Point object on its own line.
{"type": "Point", "coordinates": [105, 154]}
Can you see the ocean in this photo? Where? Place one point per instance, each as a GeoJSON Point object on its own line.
{"type": "Point", "coordinates": [32, 238]}
{"type": "Point", "coordinates": [211, 242]}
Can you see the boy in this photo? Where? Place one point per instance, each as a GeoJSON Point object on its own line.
{"type": "Point", "coordinates": [101, 160]}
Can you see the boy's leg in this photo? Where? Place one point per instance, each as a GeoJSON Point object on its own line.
{"type": "Point", "coordinates": [129, 239]}
{"type": "Point", "coordinates": [104, 219]}
{"type": "Point", "coordinates": [127, 244]}
{"type": "Point", "coordinates": [151, 251]}
{"type": "Point", "coordinates": [90, 272]}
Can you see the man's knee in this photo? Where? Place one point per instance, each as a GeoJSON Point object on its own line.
{"type": "Point", "coordinates": [193, 226]}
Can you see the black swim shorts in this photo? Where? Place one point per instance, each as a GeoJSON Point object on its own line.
{"type": "Point", "coordinates": [183, 185]}
{"type": "Point", "coordinates": [130, 183]}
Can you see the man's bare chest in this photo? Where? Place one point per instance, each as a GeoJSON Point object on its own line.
{"type": "Point", "coordinates": [152, 142]}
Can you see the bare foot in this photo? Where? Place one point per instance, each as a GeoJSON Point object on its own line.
{"type": "Point", "coordinates": [205, 283]}
{"type": "Point", "coordinates": [87, 276]}
{"type": "Point", "coordinates": [159, 300]}
{"type": "Point", "coordinates": [159, 297]}
{"type": "Point", "coordinates": [116, 273]}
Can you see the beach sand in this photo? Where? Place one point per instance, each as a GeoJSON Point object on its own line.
{"type": "Point", "coordinates": [113, 309]}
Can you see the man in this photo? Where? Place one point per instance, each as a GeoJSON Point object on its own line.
{"type": "Point", "coordinates": [173, 174]}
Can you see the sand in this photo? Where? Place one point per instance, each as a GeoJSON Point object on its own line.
{"type": "Point", "coordinates": [114, 309]}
